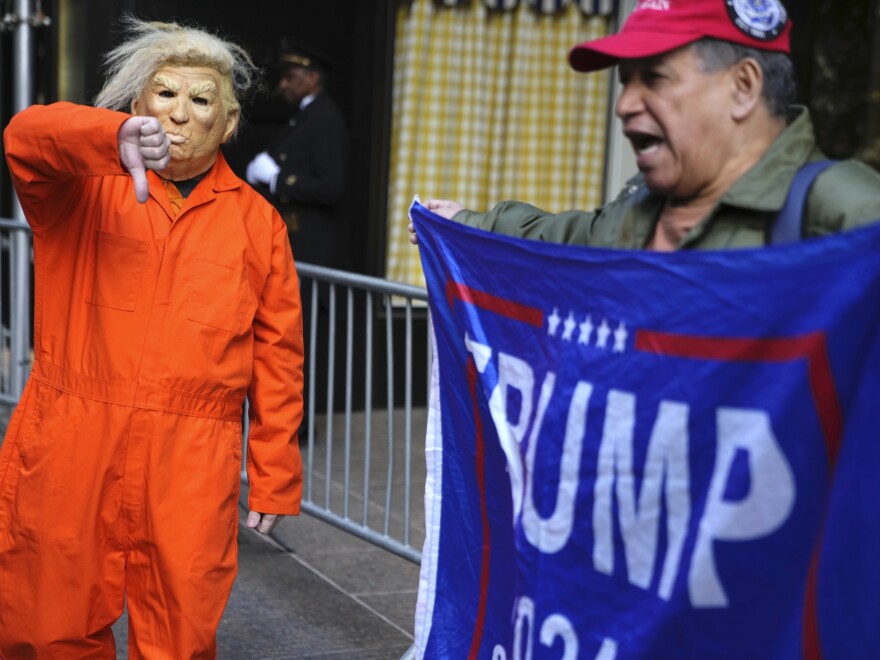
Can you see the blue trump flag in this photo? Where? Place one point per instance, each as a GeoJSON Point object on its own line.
{"type": "Point", "coordinates": [643, 455]}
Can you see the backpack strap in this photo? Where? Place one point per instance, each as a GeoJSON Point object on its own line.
{"type": "Point", "coordinates": [788, 224]}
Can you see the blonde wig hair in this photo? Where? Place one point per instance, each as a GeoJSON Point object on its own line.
{"type": "Point", "coordinates": [152, 45]}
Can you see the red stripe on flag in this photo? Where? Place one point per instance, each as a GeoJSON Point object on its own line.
{"type": "Point", "coordinates": [480, 454]}
{"type": "Point", "coordinates": [814, 349]}
{"type": "Point", "coordinates": [502, 306]}
{"type": "Point", "coordinates": [517, 312]}
{"type": "Point", "coordinates": [810, 641]}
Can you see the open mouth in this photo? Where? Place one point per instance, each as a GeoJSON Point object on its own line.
{"type": "Point", "coordinates": [644, 143]}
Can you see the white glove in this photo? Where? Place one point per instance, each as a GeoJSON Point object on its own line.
{"type": "Point", "coordinates": [263, 169]}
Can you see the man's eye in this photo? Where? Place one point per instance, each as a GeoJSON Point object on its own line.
{"type": "Point", "coordinates": [166, 94]}
{"type": "Point", "coordinates": [200, 101]}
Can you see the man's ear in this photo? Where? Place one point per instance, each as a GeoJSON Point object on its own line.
{"type": "Point", "coordinates": [134, 106]}
{"type": "Point", "coordinates": [314, 79]}
{"type": "Point", "coordinates": [232, 119]}
{"type": "Point", "coordinates": [748, 85]}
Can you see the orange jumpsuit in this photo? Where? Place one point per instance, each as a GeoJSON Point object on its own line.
{"type": "Point", "coordinates": [121, 466]}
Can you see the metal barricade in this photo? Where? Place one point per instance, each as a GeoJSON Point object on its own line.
{"type": "Point", "coordinates": [365, 392]}
{"type": "Point", "coordinates": [367, 380]}
{"type": "Point", "coordinates": [367, 366]}
{"type": "Point", "coordinates": [16, 348]}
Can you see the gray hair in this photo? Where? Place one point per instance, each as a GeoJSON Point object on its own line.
{"type": "Point", "coordinates": [153, 45]}
{"type": "Point", "coordinates": [779, 89]}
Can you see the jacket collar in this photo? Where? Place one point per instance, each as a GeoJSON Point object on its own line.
{"type": "Point", "coordinates": [765, 186]}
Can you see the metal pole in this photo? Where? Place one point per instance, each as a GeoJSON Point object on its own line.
{"type": "Point", "coordinates": [20, 313]}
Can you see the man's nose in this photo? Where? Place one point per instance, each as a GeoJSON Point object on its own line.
{"type": "Point", "coordinates": [180, 112]}
{"type": "Point", "coordinates": [629, 102]}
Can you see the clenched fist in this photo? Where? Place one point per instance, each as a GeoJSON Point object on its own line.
{"type": "Point", "coordinates": [143, 145]}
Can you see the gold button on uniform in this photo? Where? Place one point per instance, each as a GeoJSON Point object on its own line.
{"type": "Point", "coordinates": [290, 180]}
{"type": "Point", "coordinates": [282, 157]}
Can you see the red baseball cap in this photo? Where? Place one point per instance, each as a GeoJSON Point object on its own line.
{"type": "Point", "coordinates": [659, 26]}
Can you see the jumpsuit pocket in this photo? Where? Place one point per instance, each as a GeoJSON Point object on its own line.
{"type": "Point", "coordinates": [44, 425]}
{"type": "Point", "coordinates": [220, 297]}
{"type": "Point", "coordinates": [116, 271]}
{"type": "Point", "coordinates": [10, 457]}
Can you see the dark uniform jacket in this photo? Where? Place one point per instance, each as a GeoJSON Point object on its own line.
{"type": "Point", "coordinates": [844, 196]}
{"type": "Point", "coordinates": [311, 151]}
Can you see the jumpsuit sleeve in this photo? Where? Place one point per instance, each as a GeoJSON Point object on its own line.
{"type": "Point", "coordinates": [50, 148]}
{"type": "Point", "coordinates": [274, 463]}
{"type": "Point", "coordinates": [526, 221]}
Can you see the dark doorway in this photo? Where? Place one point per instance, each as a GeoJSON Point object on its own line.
{"type": "Point", "coordinates": [836, 47]}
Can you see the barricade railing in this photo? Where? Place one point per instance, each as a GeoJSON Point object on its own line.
{"type": "Point", "coordinates": [367, 366]}
{"type": "Point", "coordinates": [16, 347]}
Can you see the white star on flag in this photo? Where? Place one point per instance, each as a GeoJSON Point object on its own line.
{"type": "Point", "coordinates": [602, 335]}
{"type": "Point", "coordinates": [569, 325]}
{"type": "Point", "coordinates": [553, 322]}
{"type": "Point", "coordinates": [586, 330]}
{"type": "Point", "coordinates": [620, 336]}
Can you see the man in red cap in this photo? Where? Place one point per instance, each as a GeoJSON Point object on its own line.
{"type": "Point", "coordinates": [707, 106]}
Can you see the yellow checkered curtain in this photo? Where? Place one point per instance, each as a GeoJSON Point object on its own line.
{"type": "Point", "coordinates": [486, 108]}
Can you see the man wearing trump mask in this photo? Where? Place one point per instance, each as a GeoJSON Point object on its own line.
{"type": "Point", "coordinates": [165, 295]}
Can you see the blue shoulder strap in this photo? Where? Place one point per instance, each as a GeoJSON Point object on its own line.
{"type": "Point", "coordinates": [787, 226]}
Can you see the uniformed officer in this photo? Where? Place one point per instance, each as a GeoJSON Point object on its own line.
{"type": "Point", "coordinates": [302, 171]}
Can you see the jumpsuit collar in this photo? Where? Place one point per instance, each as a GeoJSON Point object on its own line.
{"type": "Point", "coordinates": [217, 179]}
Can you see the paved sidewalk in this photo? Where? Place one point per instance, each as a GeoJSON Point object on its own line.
{"type": "Point", "coordinates": [326, 595]}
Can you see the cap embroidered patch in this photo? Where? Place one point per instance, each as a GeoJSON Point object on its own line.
{"type": "Point", "coordinates": [760, 19]}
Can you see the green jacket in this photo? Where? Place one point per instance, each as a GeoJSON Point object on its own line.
{"type": "Point", "coordinates": [845, 196]}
